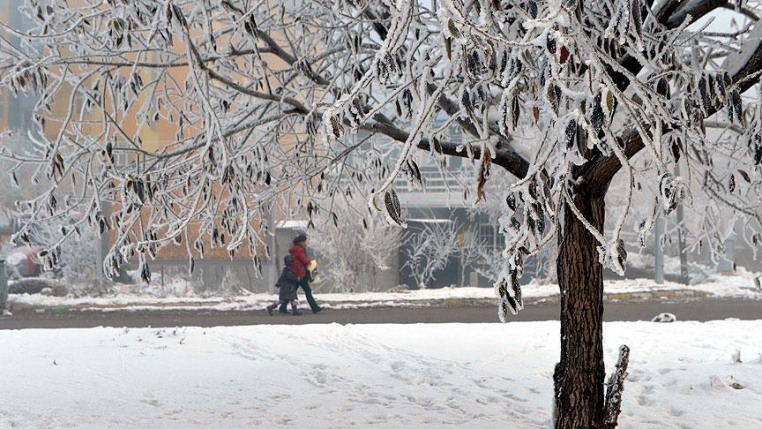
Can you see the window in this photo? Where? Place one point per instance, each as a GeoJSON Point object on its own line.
{"type": "Point", "coordinates": [488, 235]}
{"type": "Point", "coordinates": [121, 158]}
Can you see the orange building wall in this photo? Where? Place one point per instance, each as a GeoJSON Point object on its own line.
{"type": "Point", "coordinates": [152, 135]}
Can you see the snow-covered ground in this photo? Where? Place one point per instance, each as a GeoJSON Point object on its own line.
{"type": "Point", "coordinates": [179, 295]}
{"type": "Point", "coordinates": [681, 375]}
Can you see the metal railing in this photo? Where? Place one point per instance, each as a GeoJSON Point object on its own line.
{"type": "Point", "coordinates": [434, 181]}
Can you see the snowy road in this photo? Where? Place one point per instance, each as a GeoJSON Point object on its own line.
{"type": "Point", "coordinates": [703, 310]}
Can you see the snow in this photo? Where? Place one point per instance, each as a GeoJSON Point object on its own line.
{"type": "Point", "coordinates": [432, 221]}
{"type": "Point", "coordinates": [286, 224]}
{"type": "Point", "coordinates": [682, 374]}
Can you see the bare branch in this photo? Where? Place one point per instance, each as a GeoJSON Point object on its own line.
{"type": "Point", "coordinates": [615, 388]}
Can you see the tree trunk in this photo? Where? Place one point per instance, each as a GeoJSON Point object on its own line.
{"type": "Point", "coordinates": [580, 375]}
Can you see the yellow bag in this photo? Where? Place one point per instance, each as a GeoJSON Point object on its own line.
{"type": "Point", "coordinates": [312, 267]}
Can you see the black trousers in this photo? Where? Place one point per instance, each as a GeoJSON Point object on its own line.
{"type": "Point", "coordinates": [305, 285]}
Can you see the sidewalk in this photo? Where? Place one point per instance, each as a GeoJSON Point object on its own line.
{"type": "Point", "coordinates": [332, 301]}
{"type": "Point", "coordinates": [739, 287]}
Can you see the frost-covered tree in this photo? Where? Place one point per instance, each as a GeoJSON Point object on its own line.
{"type": "Point", "coordinates": [12, 194]}
{"type": "Point", "coordinates": [354, 250]}
{"type": "Point", "coordinates": [78, 257]}
{"type": "Point", "coordinates": [485, 255]}
{"type": "Point", "coordinates": [193, 117]}
{"type": "Point", "coordinates": [429, 249]}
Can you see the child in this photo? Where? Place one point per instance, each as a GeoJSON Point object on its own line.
{"type": "Point", "coordinates": [287, 285]}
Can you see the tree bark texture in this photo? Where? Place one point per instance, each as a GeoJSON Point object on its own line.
{"type": "Point", "coordinates": [580, 375]}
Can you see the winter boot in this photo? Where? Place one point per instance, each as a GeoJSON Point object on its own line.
{"type": "Point", "coordinates": [270, 309]}
{"type": "Point", "coordinates": [295, 311]}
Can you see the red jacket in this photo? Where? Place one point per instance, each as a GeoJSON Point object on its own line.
{"type": "Point", "coordinates": [299, 266]}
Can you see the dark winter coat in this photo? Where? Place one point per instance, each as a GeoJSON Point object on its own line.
{"type": "Point", "coordinates": [301, 261]}
{"type": "Point", "coordinates": [287, 285]}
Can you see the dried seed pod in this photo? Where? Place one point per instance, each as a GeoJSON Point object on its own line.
{"type": "Point", "coordinates": [415, 172]}
{"type": "Point", "coordinates": [453, 29]}
{"type": "Point", "coordinates": [554, 96]}
{"type": "Point", "coordinates": [511, 201]}
{"type": "Point", "coordinates": [550, 43]}
{"type": "Point", "coordinates": [532, 9]}
{"type": "Point", "coordinates": [736, 106]}
{"type": "Point", "coordinates": [596, 114]}
{"type": "Point", "coordinates": [392, 203]}
{"type": "Point", "coordinates": [571, 133]}
{"type": "Point", "coordinates": [662, 88]}
{"type": "Point", "coordinates": [516, 111]}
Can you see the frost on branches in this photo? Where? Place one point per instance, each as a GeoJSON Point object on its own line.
{"type": "Point", "coordinates": [193, 119]}
{"type": "Point", "coordinates": [429, 249]}
{"type": "Point", "coordinates": [258, 100]}
{"type": "Point", "coordinates": [353, 252]}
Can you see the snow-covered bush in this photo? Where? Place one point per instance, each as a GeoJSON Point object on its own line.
{"type": "Point", "coordinates": [429, 248]}
{"type": "Point", "coordinates": [78, 262]}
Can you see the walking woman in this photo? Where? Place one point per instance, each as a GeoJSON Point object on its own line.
{"type": "Point", "coordinates": [299, 252]}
